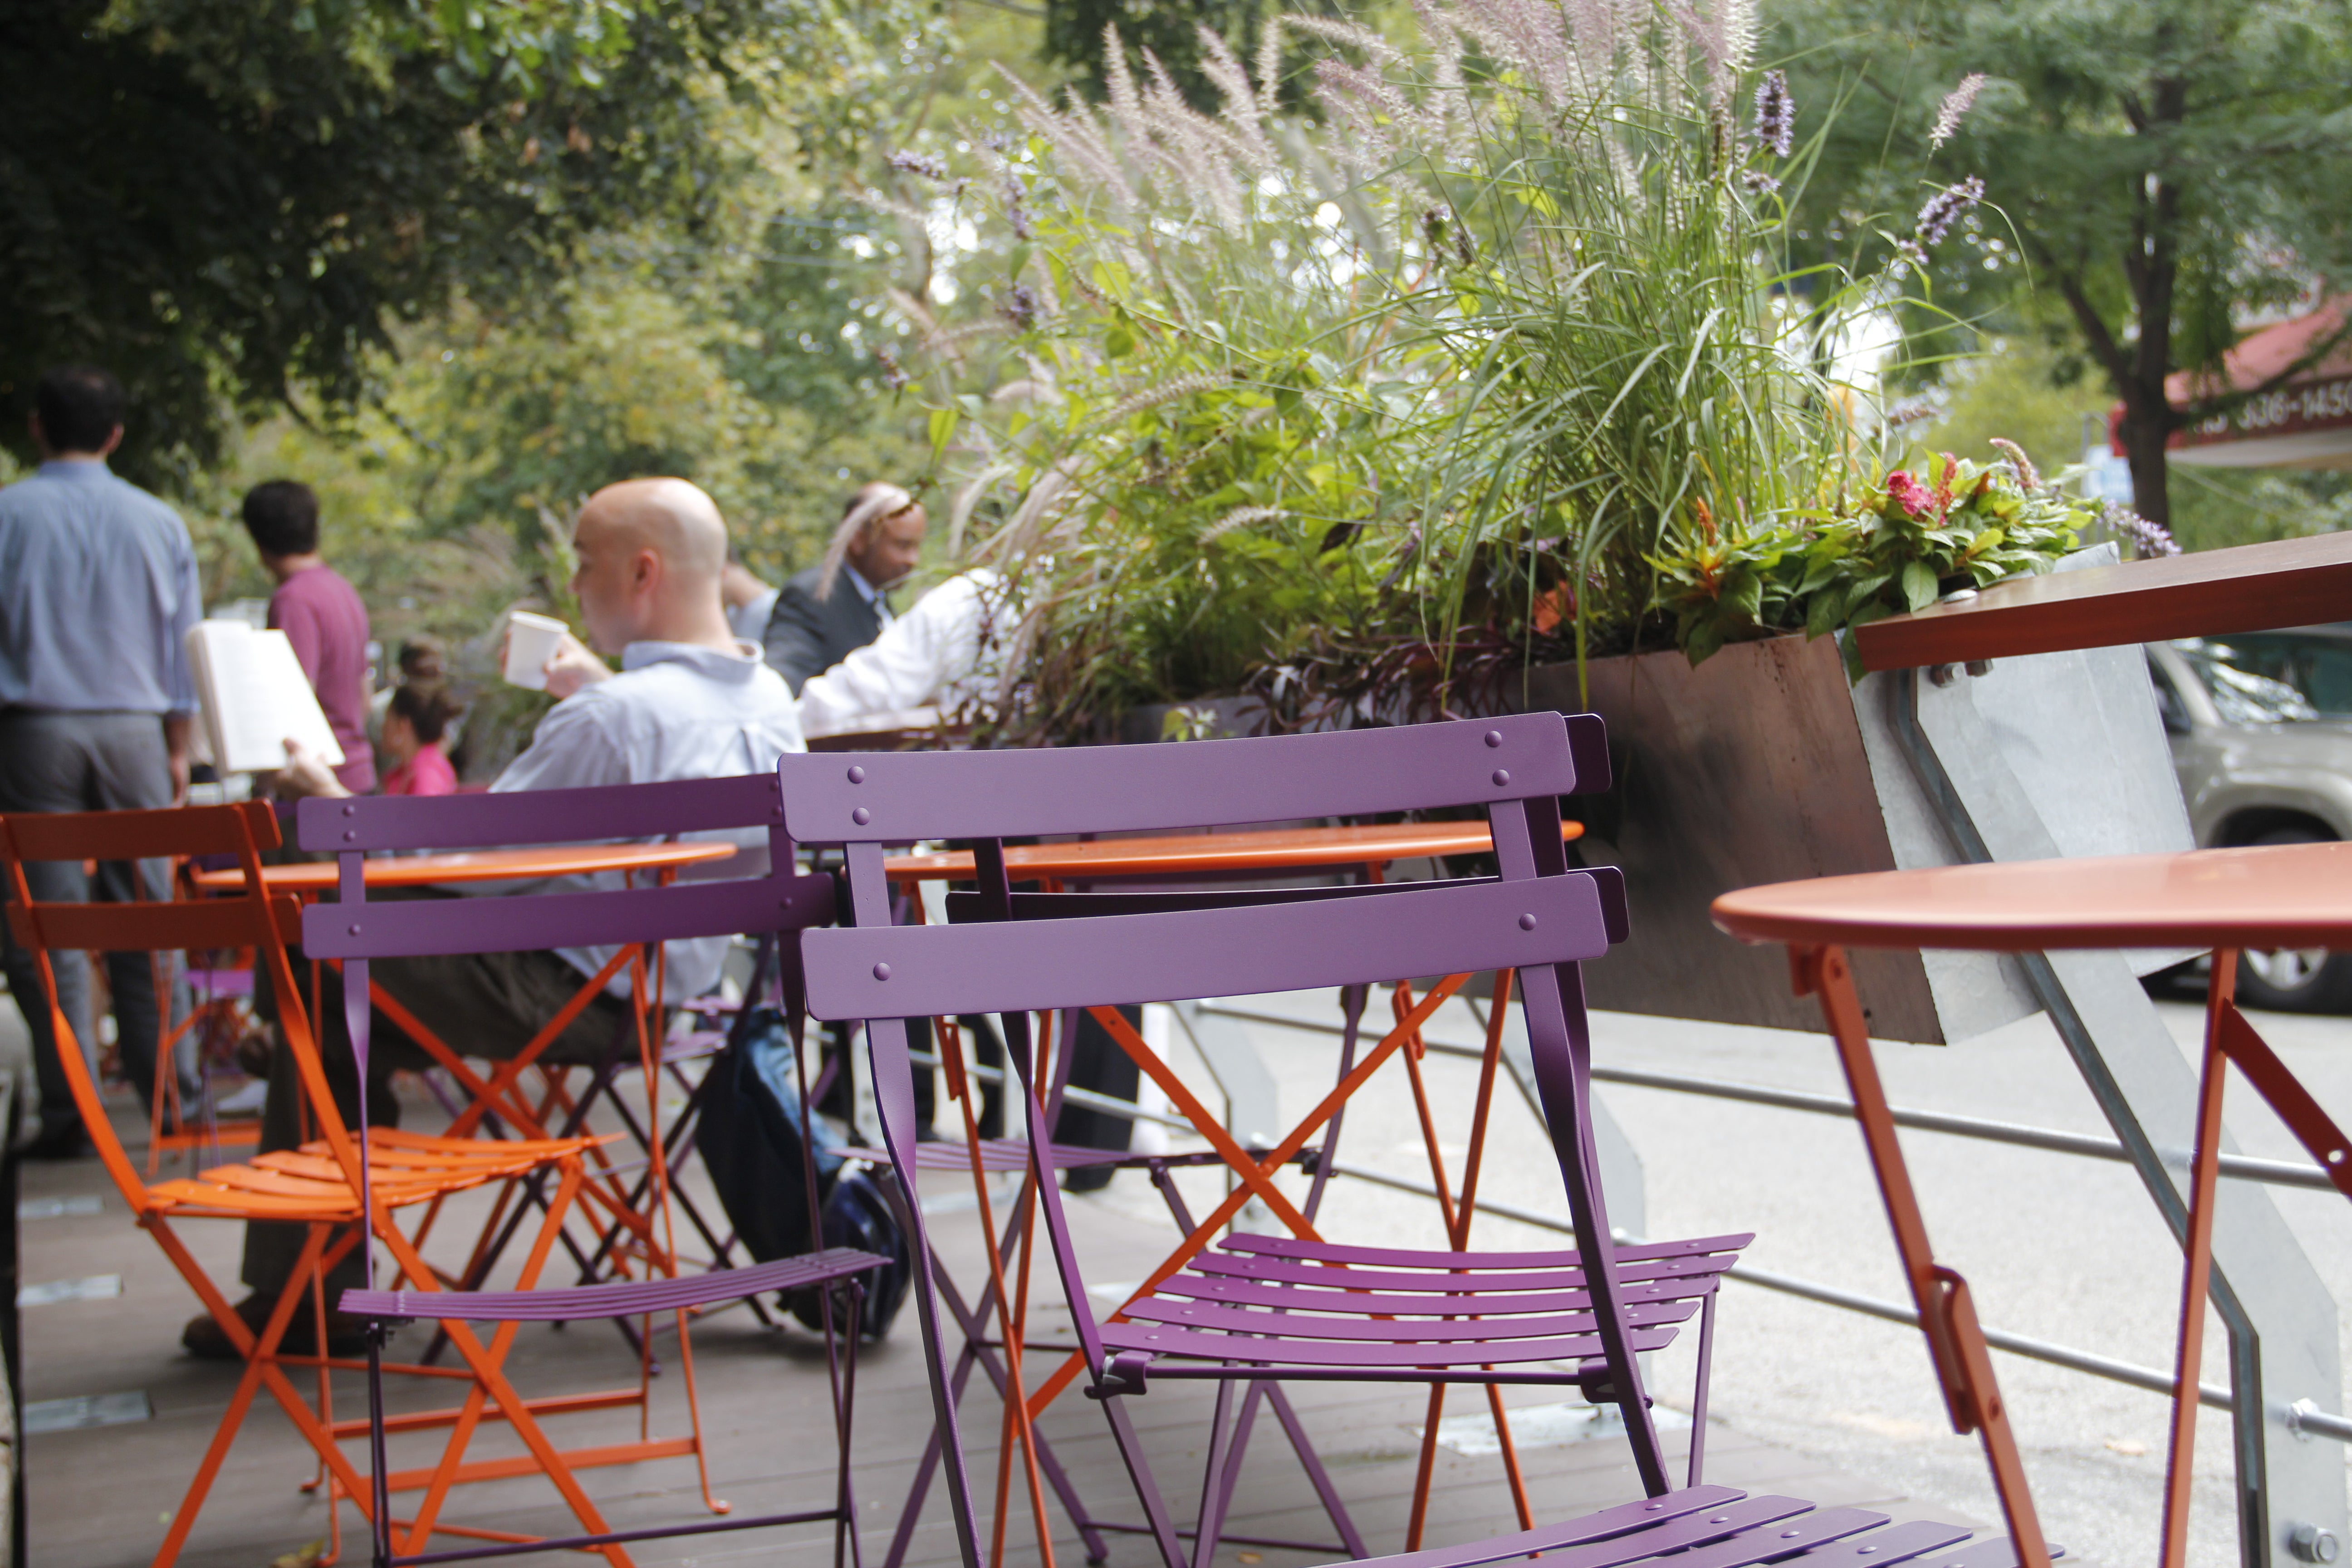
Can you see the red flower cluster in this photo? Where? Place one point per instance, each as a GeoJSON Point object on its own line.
{"type": "Point", "coordinates": [1912, 497]}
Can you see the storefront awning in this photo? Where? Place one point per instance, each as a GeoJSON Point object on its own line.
{"type": "Point", "coordinates": [2304, 423]}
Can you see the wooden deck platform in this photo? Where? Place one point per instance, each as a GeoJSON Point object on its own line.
{"type": "Point", "coordinates": [100, 1496]}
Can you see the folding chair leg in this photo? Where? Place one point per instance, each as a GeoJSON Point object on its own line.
{"type": "Point", "coordinates": [256, 1367]}
{"type": "Point", "coordinates": [1216, 1482]}
{"type": "Point", "coordinates": [1698, 1393]}
{"type": "Point", "coordinates": [1293, 1428]}
{"type": "Point", "coordinates": [1955, 1344]}
{"type": "Point", "coordinates": [491, 1385]}
{"type": "Point", "coordinates": [1552, 1002]}
{"type": "Point", "coordinates": [2197, 1272]}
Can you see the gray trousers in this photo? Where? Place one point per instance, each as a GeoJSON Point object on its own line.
{"type": "Point", "coordinates": [86, 762]}
{"type": "Point", "coordinates": [487, 1006]}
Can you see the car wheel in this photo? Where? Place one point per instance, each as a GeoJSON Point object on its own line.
{"type": "Point", "coordinates": [2295, 979]}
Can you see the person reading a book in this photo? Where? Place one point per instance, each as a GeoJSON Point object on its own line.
{"type": "Point", "coordinates": [690, 700]}
{"type": "Point", "coordinates": [413, 727]}
{"type": "Point", "coordinates": [321, 616]}
{"type": "Point", "coordinates": [98, 592]}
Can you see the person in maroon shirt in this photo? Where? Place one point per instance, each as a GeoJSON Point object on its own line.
{"type": "Point", "coordinates": [321, 614]}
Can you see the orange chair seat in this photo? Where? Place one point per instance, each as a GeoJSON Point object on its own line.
{"type": "Point", "coordinates": [406, 1169]}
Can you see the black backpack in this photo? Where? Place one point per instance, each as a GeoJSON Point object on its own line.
{"type": "Point", "coordinates": [749, 1134]}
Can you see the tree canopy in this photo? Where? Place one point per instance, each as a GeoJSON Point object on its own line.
{"type": "Point", "coordinates": [233, 206]}
{"type": "Point", "coordinates": [2153, 169]}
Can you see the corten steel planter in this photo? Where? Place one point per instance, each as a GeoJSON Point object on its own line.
{"type": "Point", "coordinates": [1762, 765]}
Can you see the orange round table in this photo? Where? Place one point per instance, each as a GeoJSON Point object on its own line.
{"type": "Point", "coordinates": [2287, 895]}
{"type": "Point", "coordinates": [1274, 851]}
{"type": "Point", "coordinates": [477, 865]}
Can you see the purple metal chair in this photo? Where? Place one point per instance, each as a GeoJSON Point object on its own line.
{"type": "Point", "coordinates": [1274, 1308]}
{"type": "Point", "coordinates": [356, 930]}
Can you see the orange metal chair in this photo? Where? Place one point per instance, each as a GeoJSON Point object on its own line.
{"type": "Point", "coordinates": [318, 1185]}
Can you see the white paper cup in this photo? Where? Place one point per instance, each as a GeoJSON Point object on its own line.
{"type": "Point", "coordinates": [531, 641]}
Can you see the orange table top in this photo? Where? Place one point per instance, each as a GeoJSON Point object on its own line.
{"type": "Point", "coordinates": [478, 866]}
{"type": "Point", "coordinates": [1275, 851]}
{"type": "Point", "coordinates": [2285, 895]}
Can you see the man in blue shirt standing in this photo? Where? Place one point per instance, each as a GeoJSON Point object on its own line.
{"type": "Point", "coordinates": [98, 590]}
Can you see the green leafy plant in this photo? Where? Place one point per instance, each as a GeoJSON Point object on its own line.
{"type": "Point", "coordinates": [1377, 404]}
{"type": "Point", "coordinates": [1896, 546]}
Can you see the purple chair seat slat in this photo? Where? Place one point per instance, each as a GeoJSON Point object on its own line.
{"type": "Point", "coordinates": [1207, 784]}
{"type": "Point", "coordinates": [600, 813]}
{"type": "Point", "coordinates": [1288, 1298]}
{"type": "Point", "coordinates": [1776, 1540]}
{"type": "Point", "coordinates": [1998, 1551]}
{"type": "Point", "coordinates": [417, 927]}
{"type": "Point", "coordinates": [1687, 1517]}
{"type": "Point", "coordinates": [1208, 1316]}
{"type": "Point", "coordinates": [1896, 1543]}
{"type": "Point", "coordinates": [218, 984]}
{"type": "Point", "coordinates": [1159, 1339]}
{"type": "Point", "coordinates": [1400, 1257]}
{"type": "Point", "coordinates": [585, 1302]}
{"type": "Point", "coordinates": [1309, 1276]}
{"type": "Point", "coordinates": [995, 1155]}
{"type": "Point", "coordinates": [699, 1043]}
{"type": "Point", "coordinates": [924, 971]}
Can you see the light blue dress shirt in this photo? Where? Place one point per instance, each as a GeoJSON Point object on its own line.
{"type": "Point", "coordinates": [676, 711]}
{"type": "Point", "coordinates": [98, 590]}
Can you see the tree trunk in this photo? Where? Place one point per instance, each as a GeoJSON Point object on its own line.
{"type": "Point", "coordinates": [2143, 431]}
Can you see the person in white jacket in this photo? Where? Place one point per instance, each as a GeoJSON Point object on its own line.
{"type": "Point", "coordinates": [931, 656]}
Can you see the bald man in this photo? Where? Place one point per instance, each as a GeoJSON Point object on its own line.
{"type": "Point", "coordinates": [690, 700]}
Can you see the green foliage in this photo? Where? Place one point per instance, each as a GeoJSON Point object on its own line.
{"type": "Point", "coordinates": [2153, 170]}
{"type": "Point", "coordinates": [2018, 388]}
{"type": "Point", "coordinates": [1384, 401]}
{"type": "Point", "coordinates": [236, 205]}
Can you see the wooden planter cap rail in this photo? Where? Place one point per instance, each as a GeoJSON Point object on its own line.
{"type": "Point", "coordinates": [2254, 587]}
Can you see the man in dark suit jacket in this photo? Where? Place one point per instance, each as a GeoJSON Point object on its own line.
{"type": "Point", "coordinates": [839, 606]}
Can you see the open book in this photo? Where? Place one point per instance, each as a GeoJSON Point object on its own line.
{"type": "Point", "coordinates": [256, 697]}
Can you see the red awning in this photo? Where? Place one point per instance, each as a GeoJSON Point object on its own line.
{"type": "Point", "coordinates": [2306, 422]}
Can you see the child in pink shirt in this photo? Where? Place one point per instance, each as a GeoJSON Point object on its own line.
{"type": "Point", "coordinates": [413, 727]}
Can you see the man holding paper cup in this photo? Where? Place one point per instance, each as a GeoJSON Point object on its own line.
{"type": "Point", "coordinates": [690, 700]}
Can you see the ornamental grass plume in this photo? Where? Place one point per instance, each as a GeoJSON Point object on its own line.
{"type": "Point", "coordinates": [1946, 207]}
{"type": "Point", "coordinates": [921, 163]}
{"type": "Point", "coordinates": [1775, 115]}
{"type": "Point", "coordinates": [1955, 109]}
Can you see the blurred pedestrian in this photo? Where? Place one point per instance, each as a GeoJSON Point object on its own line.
{"type": "Point", "coordinates": [843, 603]}
{"type": "Point", "coordinates": [98, 591]}
{"type": "Point", "coordinates": [321, 614]}
{"type": "Point", "coordinates": [413, 727]}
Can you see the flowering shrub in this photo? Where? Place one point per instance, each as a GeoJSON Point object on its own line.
{"type": "Point", "coordinates": [1894, 546]}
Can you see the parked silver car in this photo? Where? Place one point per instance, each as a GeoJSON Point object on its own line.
{"type": "Point", "coordinates": [2261, 726]}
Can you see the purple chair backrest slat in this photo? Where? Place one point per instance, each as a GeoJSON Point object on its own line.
{"type": "Point", "coordinates": [921, 972]}
{"type": "Point", "coordinates": [539, 817]}
{"type": "Point", "coordinates": [1607, 881]}
{"type": "Point", "coordinates": [409, 928]}
{"type": "Point", "coordinates": [895, 797]}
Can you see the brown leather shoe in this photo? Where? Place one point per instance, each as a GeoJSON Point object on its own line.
{"type": "Point", "coordinates": [207, 1341]}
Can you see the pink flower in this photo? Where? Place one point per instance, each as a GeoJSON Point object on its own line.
{"type": "Point", "coordinates": [1909, 494]}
